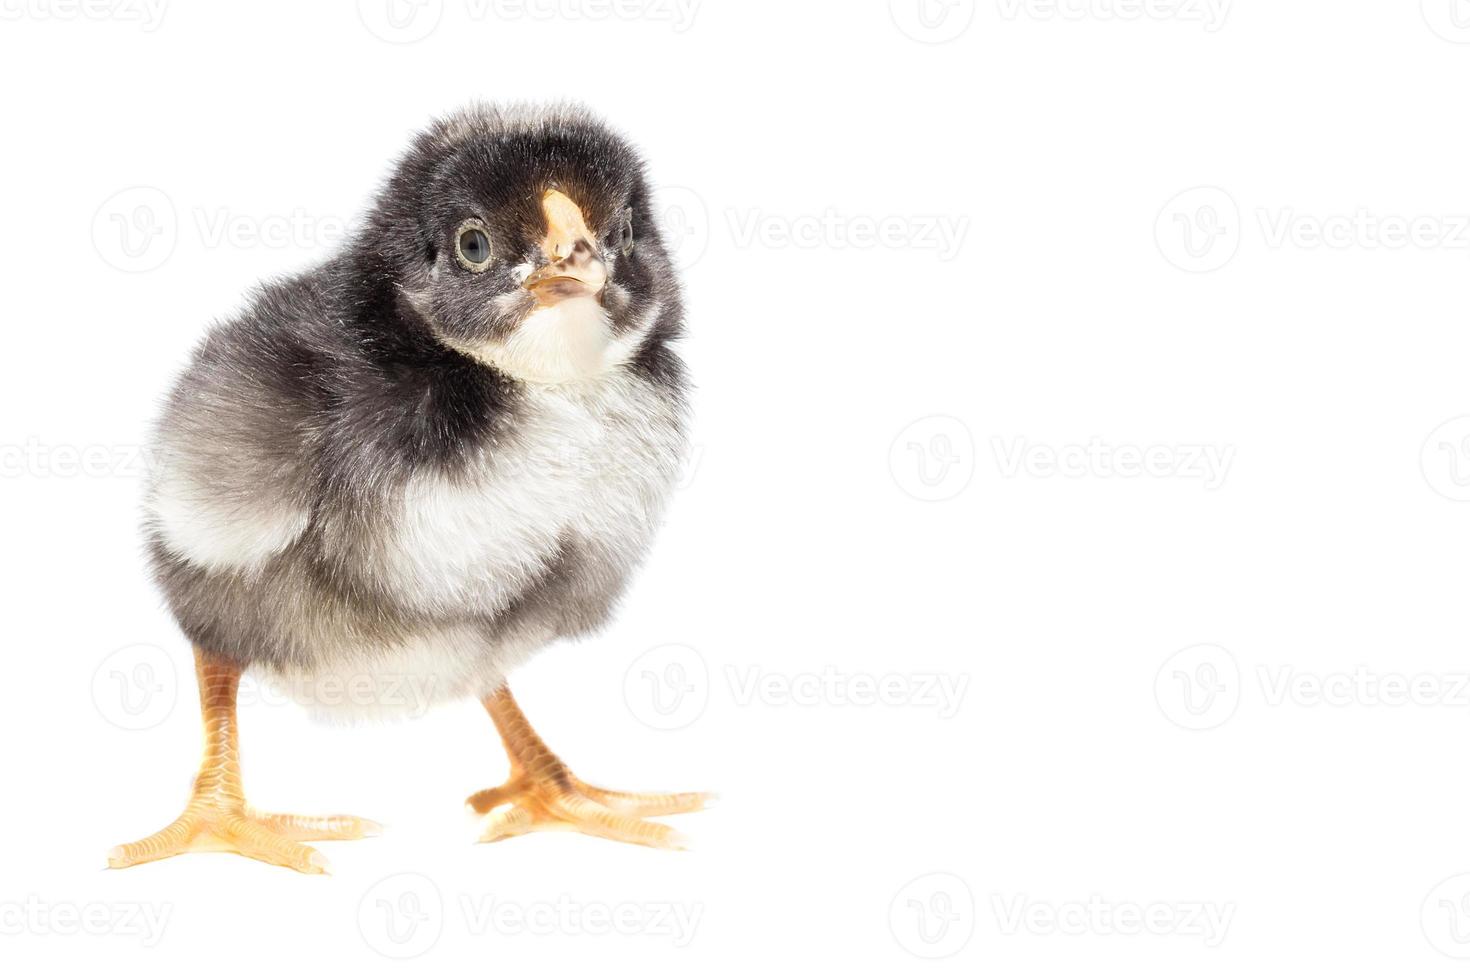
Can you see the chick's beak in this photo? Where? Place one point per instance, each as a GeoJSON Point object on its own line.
{"type": "Point", "coordinates": [573, 267]}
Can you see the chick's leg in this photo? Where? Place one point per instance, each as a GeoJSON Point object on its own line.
{"type": "Point", "coordinates": [542, 793]}
{"type": "Point", "coordinates": [217, 818]}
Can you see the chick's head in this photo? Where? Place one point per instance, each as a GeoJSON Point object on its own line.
{"type": "Point", "coordinates": [525, 238]}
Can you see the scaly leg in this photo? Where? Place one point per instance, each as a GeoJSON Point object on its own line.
{"type": "Point", "coordinates": [542, 793]}
{"type": "Point", "coordinates": [217, 817]}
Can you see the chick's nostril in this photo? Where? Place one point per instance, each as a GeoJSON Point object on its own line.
{"type": "Point", "coordinates": [566, 251]}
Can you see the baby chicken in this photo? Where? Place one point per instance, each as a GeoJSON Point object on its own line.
{"type": "Point", "coordinates": [414, 466]}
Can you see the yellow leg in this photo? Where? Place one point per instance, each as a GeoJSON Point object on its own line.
{"type": "Point", "coordinates": [542, 793]}
{"type": "Point", "coordinates": [217, 817]}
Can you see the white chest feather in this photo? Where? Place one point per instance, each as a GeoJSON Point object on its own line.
{"type": "Point", "coordinates": [592, 462]}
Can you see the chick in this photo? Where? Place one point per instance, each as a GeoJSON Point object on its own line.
{"type": "Point", "coordinates": [424, 460]}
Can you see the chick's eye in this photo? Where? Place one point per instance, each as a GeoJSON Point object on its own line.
{"type": "Point", "coordinates": [623, 239]}
{"type": "Point", "coordinates": [475, 246]}
{"type": "Point", "coordinates": [472, 246]}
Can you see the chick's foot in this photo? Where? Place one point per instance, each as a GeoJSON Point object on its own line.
{"type": "Point", "coordinates": [209, 825]}
{"type": "Point", "coordinates": [217, 817]}
{"type": "Point", "coordinates": [543, 794]}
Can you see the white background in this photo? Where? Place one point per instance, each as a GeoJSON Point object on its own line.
{"type": "Point", "coordinates": [1190, 226]}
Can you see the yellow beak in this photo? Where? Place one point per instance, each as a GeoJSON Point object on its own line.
{"type": "Point", "coordinates": [573, 267]}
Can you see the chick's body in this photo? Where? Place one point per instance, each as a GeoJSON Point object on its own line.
{"type": "Point", "coordinates": [317, 513]}
{"type": "Point", "coordinates": [356, 478]}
